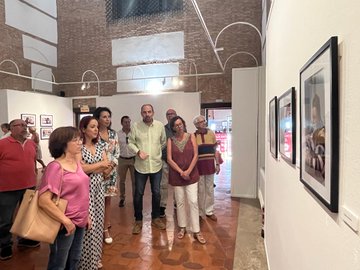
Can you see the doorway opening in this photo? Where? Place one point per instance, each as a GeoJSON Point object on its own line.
{"type": "Point", "coordinates": [220, 121]}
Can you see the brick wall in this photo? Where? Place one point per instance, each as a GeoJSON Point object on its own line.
{"type": "Point", "coordinates": [85, 43]}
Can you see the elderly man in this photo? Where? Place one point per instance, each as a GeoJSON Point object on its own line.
{"type": "Point", "coordinates": [147, 138]}
{"type": "Point", "coordinates": [170, 114]}
{"type": "Point", "coordinates": [207, 165]}
{"type": "Point", "coordinates": [17, 173]}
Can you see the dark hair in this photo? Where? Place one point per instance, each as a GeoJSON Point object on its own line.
{"type": "Point", "coordinates": [59, 138]}
{"type": "Point", "coordinates": [5, 125]}
{"type": "Point", "coordinates": [124, 117]}
{"type": "Point", "coordinates": [84, 122]}
{"type": "Point", "coordinates": [98, 112]}
{"type": "Point", "coordinates": [173, 120]}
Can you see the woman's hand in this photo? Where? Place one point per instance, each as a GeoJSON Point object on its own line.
{"type": "Point", "coordinates": [69, 226]}
{"type": "Point", "coordinates": [185, 175]}
{"type": "Point", "coordinates": [105, 164]}
{"type": "Point", "coordinates": [89, 223]}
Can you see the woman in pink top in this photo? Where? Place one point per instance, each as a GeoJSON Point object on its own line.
{"type": "Point", "coordinates": [66, 174]}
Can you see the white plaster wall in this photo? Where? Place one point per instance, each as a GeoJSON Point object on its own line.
{"type": "Point", "coordinates": [25, 18]}
{"type": "Point", "coordinates": [126, 76]}
{"type": "Point", "coordinates": [187, 105]}
{"type": "Point", "coordinates": [152, 48]}
{"type": "Point", "coordinates": [60, 108]}
{"type": "Point", "coordinates": [48, 6]}
{"type": "Point", "coordinates": [245, 85]}
{"type": "Point", "coordinates": [300, 232]}
{"type": "Point", "coordinates": [44, 73]}
{"type": "Point", "coordinates": [39, 51]}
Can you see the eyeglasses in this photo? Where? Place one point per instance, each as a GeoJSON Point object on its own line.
{"type": "Point", "coordinates": [179, 125]}
{"type": "Point", "coordinates": [77, 140]}
{"type": "Point", "coordinates": [201, 121]}
{"type": "Point", "coordinates": [20, 125]}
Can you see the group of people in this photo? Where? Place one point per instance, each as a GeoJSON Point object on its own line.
{"type": "Point", "coordinates": [87, 163]}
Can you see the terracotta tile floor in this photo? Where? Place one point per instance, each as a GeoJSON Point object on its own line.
{"type": "Point", "coordinates": [155, 249]}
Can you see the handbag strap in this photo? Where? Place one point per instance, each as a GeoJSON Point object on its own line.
{"type": "Point", "coordinates": [61, 182]}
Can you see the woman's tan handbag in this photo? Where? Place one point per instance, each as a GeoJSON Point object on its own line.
{"type": "Point", "coordinates": [34, 223]}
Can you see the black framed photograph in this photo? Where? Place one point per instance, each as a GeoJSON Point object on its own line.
{"type": "Point", "coordinates": [30, 119]}
{"type": "Point", "coordinates": [45, 133]}
{"type": "Point", "coordinates": [319, 124]}
{"type": "Point", "coordinates": [287, 126]}
{"type": "Point", "coordinates": [273, 130]}
{"type": "Point", "coordinates": [46, 120]}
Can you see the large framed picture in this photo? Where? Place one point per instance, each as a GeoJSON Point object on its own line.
{"type": "Point", "coordinates": [287, 126]}
{"type": "Point", "coordinates": [273, 130]}
{"type": "Point", "coordinates": [319, 124]}
{"type": "Point", "coordinates": [45, 133]}
{"type": "Point", "coordinates": [46, 120]}
{"type": "Point", "coordinates": [30, 119]}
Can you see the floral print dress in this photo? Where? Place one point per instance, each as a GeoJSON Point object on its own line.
{"type": "Point", "coordinates": [112, 150]}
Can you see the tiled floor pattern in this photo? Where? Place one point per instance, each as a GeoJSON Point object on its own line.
{"type": "Point", "coordinates": [155, 249]}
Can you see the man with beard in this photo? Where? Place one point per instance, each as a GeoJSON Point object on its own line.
{"type": "Point", "coordinates": [17, 173]}
{"type": "Point", "coordinates": [147, 138]}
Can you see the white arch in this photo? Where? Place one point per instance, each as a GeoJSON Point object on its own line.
{"type": "Point", "coordinates": [242, 52]}
{"type": "Point", "coordinates": [11, 61]}
{"type": "Point", "coordinates": [235, 23]}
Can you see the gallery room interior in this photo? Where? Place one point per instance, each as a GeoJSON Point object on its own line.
{"type": "Point", "coordinates": [287, 71]}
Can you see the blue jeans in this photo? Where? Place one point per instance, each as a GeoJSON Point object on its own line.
{"type": "Point", "coordinates": [140, 183]}
{"type": "Point", "coordinates": [66, 251]}
{"type": "Point", "coordinates": [8, 202]}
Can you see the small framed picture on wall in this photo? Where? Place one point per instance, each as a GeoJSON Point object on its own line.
{"type": "Point", "coordinates": [287, 126]}
{"type": "Point", "coordinates": [273, 127]}
{"type": "Point", "coordinates": [30, 119]}
{"type": "Point", "coordinates": [46, 120]}
{"type": "Point", "coordinates": [45, 133]}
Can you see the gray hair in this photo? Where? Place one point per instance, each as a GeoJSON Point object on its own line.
{"type": "Point", "coordinates": [198, 118]}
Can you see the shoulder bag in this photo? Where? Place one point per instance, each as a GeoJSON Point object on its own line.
{"type": "Point", "coordinates": [32, 222]}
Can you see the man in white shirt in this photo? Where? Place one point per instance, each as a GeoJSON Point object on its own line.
{"type": "Point", "coordinates": [126, 159]}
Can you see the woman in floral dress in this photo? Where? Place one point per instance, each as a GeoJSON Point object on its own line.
{"type": "Point", "coordinates": [94, 163]}
{"type": "Point", "coordinates": [109, 141]}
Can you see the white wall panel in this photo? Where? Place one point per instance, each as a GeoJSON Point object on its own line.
{"type": "Point", "coordinates": [48, 6]}
{"type": "Point", "coordinates": [159, 47]}
{"type": "Point", "coordinates": [39, 51]}
{"type": "Point", "coordinates": [27, 19]}
{"type": "Point", "coordinates": [244, 132]}
{"type": "Point", "coordinates": [41, 72]}
{"type": "Point", "coordinates": [142, 71]}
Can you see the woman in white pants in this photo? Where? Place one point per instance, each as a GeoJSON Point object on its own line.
{"type": "Point", "coordinates": [182, 155]}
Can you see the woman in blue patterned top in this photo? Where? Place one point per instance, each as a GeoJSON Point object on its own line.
{"type": "Point", "coordinates": [109, 141]}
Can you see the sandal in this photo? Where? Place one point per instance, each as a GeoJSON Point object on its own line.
{"type": "Point", "coordinates": [181, 233]}
{"type": "Point", "coordinates": [107, 238]}
{"type": "Point", "coordinates": [198, 236]}
{"type": "Point", "coordinates": [100, 265]}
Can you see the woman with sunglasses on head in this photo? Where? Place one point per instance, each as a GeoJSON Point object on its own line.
{"type": "Point", "coordinates": [65, 177]}
{"type": "Point", "coordinates": [95, 164]}
{"type": "Point", "coordinates": [108, 139]}
{"type": "Point", "coordinates": [182, 155]}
